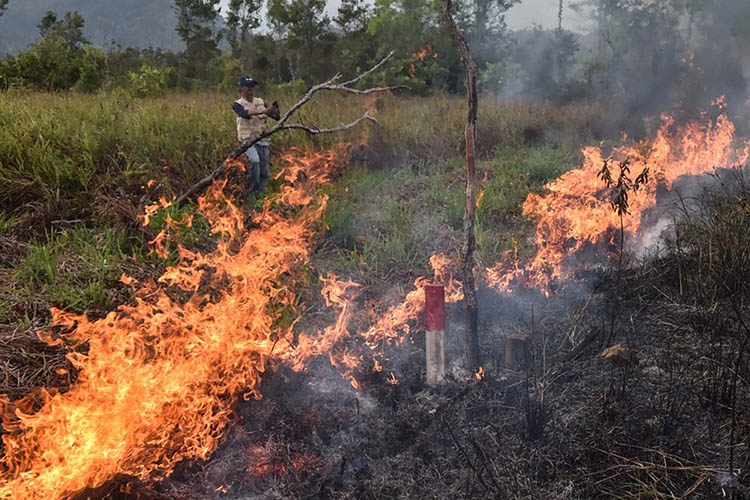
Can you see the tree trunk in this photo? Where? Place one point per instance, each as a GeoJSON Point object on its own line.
{"type": "Point", "coordinates": [470, 295]}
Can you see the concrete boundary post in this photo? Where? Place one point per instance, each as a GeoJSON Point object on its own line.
{"type": "Point", "coordinates": [434, 296]}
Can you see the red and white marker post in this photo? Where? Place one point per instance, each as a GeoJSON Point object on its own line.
{"type": "Point", "coordinates": [434, 311]}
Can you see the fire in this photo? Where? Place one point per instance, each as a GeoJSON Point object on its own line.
{"type": "Point", "coordinates": [266, 464]}
{"type": "Point", "coordinates": [159, 376]}
{"type": "Point", "coordinates": [312, 345]}
{"type": "Point", "coordinates": [485, 176]}
{"type": "Point", "coordinates": [423, 53]}
{"type": "Point", "coordinates": [394, 324]}
{"type": "Point", "coordinates": [575, 210]}
{"type": "Point", "coordinates": [426, 51]}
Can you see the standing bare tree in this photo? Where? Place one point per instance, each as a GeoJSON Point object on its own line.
{"type": "Point", "coordinates": [470, 295]}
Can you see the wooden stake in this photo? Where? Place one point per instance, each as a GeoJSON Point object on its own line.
{"type": "Point", "coordinates": [473, 361]}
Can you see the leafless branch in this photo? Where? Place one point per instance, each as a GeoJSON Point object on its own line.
{"type": "Point", "coordinates": [473, 360]}
{"type": "Point", "coordinates": [315, 130]}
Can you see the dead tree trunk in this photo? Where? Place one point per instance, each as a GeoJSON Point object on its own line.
{"type": "Point", "coordinates": [470, 295]}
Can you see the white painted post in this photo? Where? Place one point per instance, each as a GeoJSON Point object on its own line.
{"type": "Point", "coordinates": [434, 296]}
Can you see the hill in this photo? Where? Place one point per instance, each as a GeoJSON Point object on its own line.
{"type": "Point", "coordinates": [129, 23]}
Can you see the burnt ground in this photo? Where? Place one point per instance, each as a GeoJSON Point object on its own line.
{"type": "Point", "coordinates": [564, 424]}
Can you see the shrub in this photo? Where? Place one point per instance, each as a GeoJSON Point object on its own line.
{"type": "Point", "coordinates": [93, 69]}
{"type": "Point", "coordinates": [148, 81]}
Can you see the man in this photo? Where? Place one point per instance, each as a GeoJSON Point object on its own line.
{"type": "Point", "coordinates": [251, 114]}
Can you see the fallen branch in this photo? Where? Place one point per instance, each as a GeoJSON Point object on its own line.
{"type": "Point", "coordinates": [282, 124]}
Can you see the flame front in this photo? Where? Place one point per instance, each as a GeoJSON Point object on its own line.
{"type": "Point", "coordinates": [575, 210]}
{"type": "Point", "coordinates": [159, 378]}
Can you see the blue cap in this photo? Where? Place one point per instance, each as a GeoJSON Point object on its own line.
{"type": "Point", "coordinates": [246, 81]}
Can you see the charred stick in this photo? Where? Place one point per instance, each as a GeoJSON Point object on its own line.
{"type": "Point", "coordinates": [463, 452]}
{"type": "Point", "coordinates": [488, 464]}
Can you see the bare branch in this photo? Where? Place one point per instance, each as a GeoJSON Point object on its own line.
{"type": "Point", "coordinates": [368, 72]}
{"type": "Point", "coordinates": [470, 133]}
{"type": "Point", "coordinates": [340, 128]}
{"type": "Point", "coordinates": [329, 85]}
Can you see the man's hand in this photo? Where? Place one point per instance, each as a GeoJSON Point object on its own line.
{"type": "Point", "coordinates": [273, 110]}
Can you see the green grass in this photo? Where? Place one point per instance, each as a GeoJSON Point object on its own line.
{"type": "Point", "coordinates": [404, 201]}
{"type": "Point", "coordinates": [75, 269]}
{"type": "Point", "coordinates": [392, 220]}
{"type": "Point", "coordinates": [59, 149]}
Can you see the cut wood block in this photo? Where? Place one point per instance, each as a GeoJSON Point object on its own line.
{"type": "Point", "coordinates": [516, 347]}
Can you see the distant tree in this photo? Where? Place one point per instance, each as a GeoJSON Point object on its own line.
{"type": "Point", "coordinates": [93, 69]}
{"type": "Point", "coordinates": [353, 16]}
{"type": "Point", "coordinates": [355, 47]}
{"type": "Point", "coordinates": [69, 28]}
{"type": "Point", "coordinates": [302, 26]}
{"type": "Point", "coordinates": [54, 61]}
{"type": "Point", "coordinates": [243, 16]}
{"type": "Point", "coordinates": [722, 33]}
{"type": "Point", "coordinates": [413, 26]}
{"type": "Point", "coordinates": [195, 25]}
{"type": "Point", "coordinates": [3, 6]}
{"type": "Point", "coordinates": [640, 54]}
{"type": "Point", "coordinates": [483, 22]}
{"type": "Point", "coordinates": [303, 22]}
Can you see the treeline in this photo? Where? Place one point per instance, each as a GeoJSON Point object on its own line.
{"type": "Point", "coordinates": [640, 54]}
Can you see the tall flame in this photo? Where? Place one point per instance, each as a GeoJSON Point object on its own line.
{"type": "Point", "coordinates": [575, 210]}
{"type": "Point", "coordinates": [159, 376]}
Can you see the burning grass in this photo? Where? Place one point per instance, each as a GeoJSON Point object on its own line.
{"type": "Point", "coordinates": [159, 377]}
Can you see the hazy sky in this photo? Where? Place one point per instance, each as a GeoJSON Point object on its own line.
{"type": "Point", "coordinates": [523, 15]}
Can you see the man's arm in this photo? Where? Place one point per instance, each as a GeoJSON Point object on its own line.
{"type": "Point", "coordinates": [241, 112]}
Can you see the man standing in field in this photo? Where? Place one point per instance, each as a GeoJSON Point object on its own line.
{"type": "Point", "coordinates": [251, 120]}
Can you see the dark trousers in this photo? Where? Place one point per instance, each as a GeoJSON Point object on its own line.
{"type": "Point", "coordinates": [259, 169]}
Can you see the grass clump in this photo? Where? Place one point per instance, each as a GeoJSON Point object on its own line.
{"type": "Point", "coordinates": [74, 269]}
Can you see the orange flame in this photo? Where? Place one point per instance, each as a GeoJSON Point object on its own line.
{"type": "Point", "coordinates": [425, 51]}
{"type": "Point", "coordinates": [265, 464]}
{"type": "Point", "coordinates": [160, 376]}
{"type": "Point", "coordinates": [485, 176]}
{"type": "Point", "coordinates": [575, 210]}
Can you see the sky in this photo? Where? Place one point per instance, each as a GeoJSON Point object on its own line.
{"type": "Point", "coordinates": [523, 15]}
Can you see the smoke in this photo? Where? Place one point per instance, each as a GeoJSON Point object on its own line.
{"type": "Point", "coordinates": [640, 58]}
{"type": "Point", "coordinates": [687, 200]}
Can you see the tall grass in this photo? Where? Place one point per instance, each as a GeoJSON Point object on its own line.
{"type": "Point", "coordinates": [90, 157]}
{"type": "Point", "coordinates": [59, 149]}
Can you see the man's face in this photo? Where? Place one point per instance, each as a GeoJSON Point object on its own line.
{"type": "Point", "coordinates": [246, 91]}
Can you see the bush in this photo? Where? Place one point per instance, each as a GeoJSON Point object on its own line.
{"type": "Point", "coordinates": [93, 69]}
{"type": "Point", "coordinates": [148, 81]}
{"type": "Point", "coordinates": [295, 87]}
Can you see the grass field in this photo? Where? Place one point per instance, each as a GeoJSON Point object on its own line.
{"type": "Point", "coordinates": [75, 174]}
{"type": "Point", "coordinates": [74, 169]}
